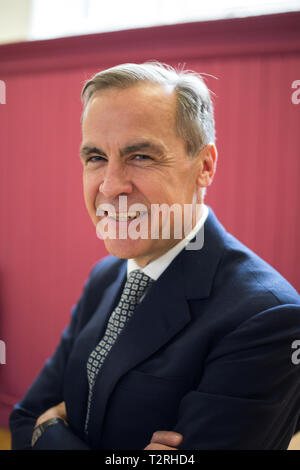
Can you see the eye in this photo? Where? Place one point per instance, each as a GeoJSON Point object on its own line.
{"type": "Point", "coordinates": [141, 156]}
{"type": "Point", "coordinates": [95, 159]}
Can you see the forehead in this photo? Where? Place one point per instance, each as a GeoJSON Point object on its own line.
{"type": "Point", "coordinates": [140, 106]}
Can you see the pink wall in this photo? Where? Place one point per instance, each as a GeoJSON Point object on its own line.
{"type": "Point", "coordinates": [47, 243]}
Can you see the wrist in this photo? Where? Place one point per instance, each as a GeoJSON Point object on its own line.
{"type": "Point", "coordinates": [39, 429]}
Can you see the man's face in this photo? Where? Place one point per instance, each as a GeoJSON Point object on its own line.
{"type": "Point", "coordinates": [130, 148]}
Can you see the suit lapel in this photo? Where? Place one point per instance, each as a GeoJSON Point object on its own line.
{"type": "Point", "coordinates": [86, 341]}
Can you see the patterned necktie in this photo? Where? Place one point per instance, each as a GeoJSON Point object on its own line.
{"type": "Point", "coordinates": [134, 289]}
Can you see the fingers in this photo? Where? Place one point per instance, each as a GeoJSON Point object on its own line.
{"type": "Point", "coordinates": [167, 438]}
{"type": "Point", "coordinates": [58, 411]}
{"type": "Point", "coordinates": [61, 410]}
{"type": "Point", "coordinates": [158, 447]}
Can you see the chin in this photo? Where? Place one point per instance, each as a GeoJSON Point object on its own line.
{"type": "Point", "coordinates": [126, 249]}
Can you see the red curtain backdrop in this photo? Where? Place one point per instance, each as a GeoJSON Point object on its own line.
{"type": "Point", "coordinates": [47, 242]}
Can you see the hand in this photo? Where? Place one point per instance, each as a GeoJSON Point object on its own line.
{"type": "Point", "coordinates": [58, 411]}
{"type": "Point", "coordinates": [164, 440]}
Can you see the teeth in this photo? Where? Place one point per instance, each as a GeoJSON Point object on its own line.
{"type": "Point", "coordinates": [121, 216]}
{"type": "Point", "coordinates": [100, 212]}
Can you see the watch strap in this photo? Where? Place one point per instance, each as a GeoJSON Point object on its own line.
{"type": "Point", "coordinates": [38, 430]}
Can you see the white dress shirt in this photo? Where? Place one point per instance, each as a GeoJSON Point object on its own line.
{"type": "Point", "coordinates": [157, 267]}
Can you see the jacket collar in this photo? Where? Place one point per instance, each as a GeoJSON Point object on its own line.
{"type": "Point", "coordinates": [205, 261]}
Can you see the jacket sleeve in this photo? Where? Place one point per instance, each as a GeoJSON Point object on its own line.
{"type": "Point", "coordinates": [249, 394]}
{"type": "Point", "coordinates": [45, 392]}
{"type": "Point", "coordinates": [59, 437]}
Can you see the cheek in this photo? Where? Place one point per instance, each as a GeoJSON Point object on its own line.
{"type": "Point", "coordinates": [90, 190]}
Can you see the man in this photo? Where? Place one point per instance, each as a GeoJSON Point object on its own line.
{"type": "Point", "coordinates": [183, 346]}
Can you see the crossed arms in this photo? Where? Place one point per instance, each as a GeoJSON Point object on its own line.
{"type": "Point", "coordinates": [247, 398]}
{"type": "Point", "coordinates": [265, 418]}
{"type": "Point", "coordinates": [161, 440]}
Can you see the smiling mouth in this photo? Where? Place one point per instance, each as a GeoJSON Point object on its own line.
{"type": "Point", "coordinates": [121, 216]}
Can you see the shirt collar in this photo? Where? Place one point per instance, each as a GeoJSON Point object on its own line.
{"type": "Point", "coordinates": [158, 266]}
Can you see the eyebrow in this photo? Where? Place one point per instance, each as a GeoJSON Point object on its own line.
{"type": "Point", "coordinates": [143, 145]}
{"type": "Point", "coordinates": [87, 150]}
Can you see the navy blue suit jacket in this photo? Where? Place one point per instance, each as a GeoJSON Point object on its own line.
{"type": "Point", "coordinates": [207, 353]}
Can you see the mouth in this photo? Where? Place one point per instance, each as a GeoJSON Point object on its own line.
{"type": "Point", "coordinates": [120, 216]}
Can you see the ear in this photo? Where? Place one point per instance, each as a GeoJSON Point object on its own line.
{"type": "Point", "coordinates": [207, 165]}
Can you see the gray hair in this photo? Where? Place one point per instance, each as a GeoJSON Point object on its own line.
{"type": "Point", "coordinates": [194, 110]}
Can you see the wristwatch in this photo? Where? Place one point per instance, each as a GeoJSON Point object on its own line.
{"type": "Point", "coordinates": [38, 430]}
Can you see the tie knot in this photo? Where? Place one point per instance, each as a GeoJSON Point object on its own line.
{"type": "Point", "coordinates": [136, 284]}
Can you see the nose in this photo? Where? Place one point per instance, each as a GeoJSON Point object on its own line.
{"type": "Point", "coordinates": [115, 181]}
